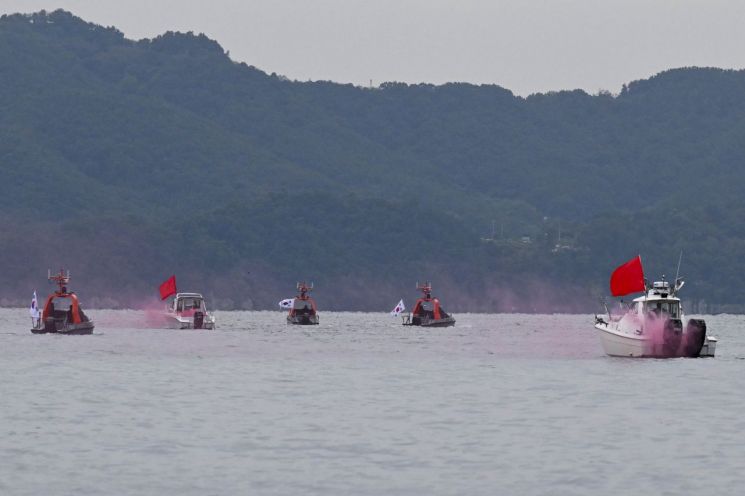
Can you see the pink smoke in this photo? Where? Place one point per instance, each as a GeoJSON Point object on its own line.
{"type": "Point", "coordinates": [654, 330]}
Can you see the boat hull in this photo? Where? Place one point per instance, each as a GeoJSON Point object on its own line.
{"type": "Point", "coordinates": [427, 322]}
{"type": "Point", "coordinates": [179, 322]}
{"type": "Point", "coordinates": [303, 319]}
{"type": "Point", "coordinates": [70, 329]}
{"type": "Point", "coordinates": [675, 345]}
{"type": "Point", "coordinates": [615, 344]}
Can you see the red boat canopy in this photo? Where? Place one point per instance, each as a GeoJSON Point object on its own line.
{"type": "Point", "coordinates": [429, 306]}
{"type": "Point", "coordinates": [303, 305]}
{"type": "Point", "coordinates": [59, 303]}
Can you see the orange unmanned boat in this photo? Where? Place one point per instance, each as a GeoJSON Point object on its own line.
{"type": "Point", "coordinates": [62, 313]}
{"type": "Point", "coordinates": [428, 311]}
{"type": "Point", "coordinates": [303, 311]}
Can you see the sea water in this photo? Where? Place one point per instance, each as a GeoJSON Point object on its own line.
{"type": "Point", "coordinates": [359, 405]}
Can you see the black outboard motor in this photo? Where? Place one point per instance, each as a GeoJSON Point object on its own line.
{"type": "Point", "coordinates": [198, 320]}
{"type": "Point", "coordinates": [50, 325]}
{"type": "Point", "coordinates": [695, 337]}
{"type": "Point", "coordinates": [672, 335]}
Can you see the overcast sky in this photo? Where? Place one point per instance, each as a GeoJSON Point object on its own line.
{"type": "Point", "coordinates": [526, 46]}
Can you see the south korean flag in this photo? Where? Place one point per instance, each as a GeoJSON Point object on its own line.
{"type": "Point", "coordinates": [287, 304]}
{"type": "Point", "coordinates": [34, 308]}
{"type": "Point", "coordinates": [399, 308]}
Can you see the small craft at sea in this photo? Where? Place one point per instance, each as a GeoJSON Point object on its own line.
{"type": "Point", "coordinates": [62, 313]}
{"type": "Point", "coordinates": [302, 308]}
{"type": "Point", "coordinates": [652, 325]}
{"type": "Point", "coordinates": [427, 312]}
{"type": "Point", "coordinates": [186, 310]}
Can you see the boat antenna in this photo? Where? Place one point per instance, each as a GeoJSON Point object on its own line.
{"type": "Point", "coordinates": [677, 272]}
{"type": "Point", "coordinates": [680, 259]}
{"type": "Point", "coordinates": [604, 302]}
{"type": "Point", "coordinates": [60, 279]}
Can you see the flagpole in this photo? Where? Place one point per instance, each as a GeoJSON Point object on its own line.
{"type": "Point", "coordinates": [644, 310]}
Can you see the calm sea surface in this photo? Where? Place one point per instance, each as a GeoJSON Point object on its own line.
{"type": "Point", "coordinates": [499, 404]}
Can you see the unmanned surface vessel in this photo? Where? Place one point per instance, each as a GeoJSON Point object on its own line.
{"type": "Point", "coordinates": [62, 313]}
{"type": "Point", "coordinates": [303, 311]}
{"type": "Point", "coordinates": [428, 311]}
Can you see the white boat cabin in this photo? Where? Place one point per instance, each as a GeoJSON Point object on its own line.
{"type": "Point", "coordinates": [659, 301]}
{"type": "Point", "coordinates": [188, 303]}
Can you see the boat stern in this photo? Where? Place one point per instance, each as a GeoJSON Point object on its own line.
{"type": "Point", "coordinates": [709, 347]}
{"type": "Point", "coordinates": [181, 322]}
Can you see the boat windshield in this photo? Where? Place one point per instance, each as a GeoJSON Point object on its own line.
{"type": "Point", "coordinates": [428, 306]}
{"type": "Point", "coordinates": [189, 303]}
{"type": "Point", "coordinates": [659, 307]}
{"type": "Point", "coordinates": [61, 303]}
{"type": "Point", "coordinates": [61, 308]}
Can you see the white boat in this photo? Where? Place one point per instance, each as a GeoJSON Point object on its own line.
{"type": "Point", "coordinates": [652, 326]}
{"type": "Point", "coordinates": [188, 311]}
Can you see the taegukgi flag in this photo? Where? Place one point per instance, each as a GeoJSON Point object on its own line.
{"type": "Point", "coordinates": [287, 304]}
{"type": "Point", "coordinates": [399, 308]}
{"type": "Point", "coordinates": [34, 308]}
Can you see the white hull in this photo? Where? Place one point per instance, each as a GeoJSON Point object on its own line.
{"type": "Point", "coordinates": [616, 344]}
{"type": "Point", "coordinates": [709, 348]}
{"type": "Point", "coordinates": [178, 322]}
{"type": "Point", "coordinates": [619, 344]}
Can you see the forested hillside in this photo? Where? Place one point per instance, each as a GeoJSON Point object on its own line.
{"type": "Point", "coordinates": [127, 161]}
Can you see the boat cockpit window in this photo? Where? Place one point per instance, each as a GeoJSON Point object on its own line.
{"type": "Point", "coordinates": [61, 309]}
{"type": "Point", "coordinates": [428, 306]}
{"type": "Point", "coordinates": [670, 308]}
{"type": "Point", "coordinates": [189, 304]}
{"type": "Point", "coordinates": [61, 304]}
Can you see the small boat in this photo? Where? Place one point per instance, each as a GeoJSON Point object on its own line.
{"type": "Point", "coordinates": [428, 311]}
{"type": "Point", "coordinates": [188, 311]}
{"type": "Point", "coordinates": [62, 313]}
{"type": "Point", "coordinates": [652, 325]}
{"type": "Point", "coordinates": [303, 310]}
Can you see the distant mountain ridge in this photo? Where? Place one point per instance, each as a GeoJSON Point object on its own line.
{"type": "Point", "coordinates": [214, 169]}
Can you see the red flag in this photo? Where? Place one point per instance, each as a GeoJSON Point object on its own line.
{"type": "Point", "coordinates": [628, 278]}
{"type": "Point", "coordinates": [168, 288]}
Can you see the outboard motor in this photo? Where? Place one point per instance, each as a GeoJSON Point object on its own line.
{"type": "Point", "coordinates": [695, 338]}
{"type": "Point", "coordinates": [50, 325]}
{"type": "Point", "coordinates": [198, 320]}
{"type": "Point", "coordinates": [672, 335]}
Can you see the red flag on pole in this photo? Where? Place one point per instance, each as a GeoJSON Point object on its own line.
{"type": "Point", "coordinates": [168, 288]}
{"type": "Point", "coordinates": [628, 278]}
